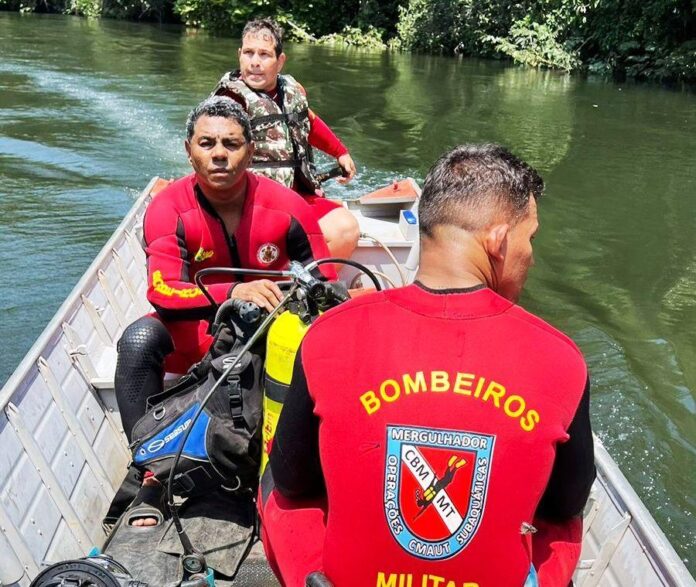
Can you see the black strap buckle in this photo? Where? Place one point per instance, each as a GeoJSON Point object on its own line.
{"type": "Point", "coordinates": [236, 401]}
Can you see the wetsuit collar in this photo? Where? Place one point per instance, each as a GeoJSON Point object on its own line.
{"type": "Point", "coordinates": [450, 290]}
{"type": "Point", "coordinates": [466, 303]}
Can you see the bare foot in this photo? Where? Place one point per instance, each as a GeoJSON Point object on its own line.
{"type": "Point", "coordinates": [146, 521]}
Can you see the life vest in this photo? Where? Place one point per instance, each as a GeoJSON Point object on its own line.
{"type": "Point", "coordinates": [280, 133]}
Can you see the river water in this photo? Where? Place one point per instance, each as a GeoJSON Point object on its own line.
{"type": "Point", "coordinates": [90, 110]}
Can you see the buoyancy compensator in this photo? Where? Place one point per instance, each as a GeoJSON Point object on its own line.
{"type": "Point", "coordinates": [223, 446]}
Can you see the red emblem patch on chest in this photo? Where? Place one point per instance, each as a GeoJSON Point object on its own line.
{"type": "Point", "coordinates": [267, 253]}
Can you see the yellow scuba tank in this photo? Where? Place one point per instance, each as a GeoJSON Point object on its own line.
{"type": "Point", "coordinates": [284, 338]}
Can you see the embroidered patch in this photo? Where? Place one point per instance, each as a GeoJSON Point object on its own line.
{"type": "Point", "coordinates": [267, 253]}
{"type": "Point", "coordinates": [202, 255]}
{"type": "Point", "coordinates": [435, 486]}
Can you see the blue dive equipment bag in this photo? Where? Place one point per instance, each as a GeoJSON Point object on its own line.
{"type": "Point", "coordinates": [224, 446]}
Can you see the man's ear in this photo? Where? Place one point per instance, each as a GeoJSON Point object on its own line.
{"type": "Point", "coordinates": [187, 146]}
{"type": "Point", "coordinates": [281, 61]}
{"type": "Point", "coordinates": [239, 53]}
{"type": "Point", "coordinates": [495, 241]}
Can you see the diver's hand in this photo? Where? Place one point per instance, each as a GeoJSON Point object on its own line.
{"type": "Point", "coordinates": [346, 163]}
{"type": "Point", "coordinates": [263, 292]}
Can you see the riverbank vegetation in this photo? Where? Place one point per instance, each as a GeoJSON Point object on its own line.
{"type": "Point", "coordinates": [644, 39]}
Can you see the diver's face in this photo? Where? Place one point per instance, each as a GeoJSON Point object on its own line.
{"type": "Point", "coordinates": [219, 154]}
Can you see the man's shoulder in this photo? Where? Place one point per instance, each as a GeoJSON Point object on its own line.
{"type": "Point", "coordinates": [231, 79]}
{"type": "Point", "coordinates": [271, 194]}
{"type": "Point", "coordinates": [180, 191]}
{"type": "Point", "coordinates": [350, 313]}
{"type": "Point", "coordinates": [290, 84]}
{"type": "Point", "coordinates": [549, 335]}
{"type": "Point", "coordinates": [289, 79]}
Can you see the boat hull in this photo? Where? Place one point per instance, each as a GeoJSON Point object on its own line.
{"type": "Point", "coordinates": [64, 453]}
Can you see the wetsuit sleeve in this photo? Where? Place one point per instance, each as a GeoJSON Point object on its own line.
{"type": "Point", "coordinates": [323, 138]}
{"type": "Point", "coordinates": [557, 544]}
{"type": "Point", "coordinates": [573, 469]}
{"type": "Point", "coordinates": [294, 456]}
{"type": "Point", "coordinates": [306, 244]}
{"type": "Point", "coordinates": [171, 289]}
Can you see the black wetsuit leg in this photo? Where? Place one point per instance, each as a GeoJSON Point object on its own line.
{"type": "Point", "coordinates": [140, 368]}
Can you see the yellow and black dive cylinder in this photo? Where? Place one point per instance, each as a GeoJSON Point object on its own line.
{"type": "Point", "coordinates": [284, 338]}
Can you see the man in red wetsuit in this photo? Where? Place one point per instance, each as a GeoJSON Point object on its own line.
{"type": "Point", "coordinates": [219, 216]}
{"type": "Point", "coordinates": [449, 444]}
{"type": "Point", "coordinates": [284, 130]}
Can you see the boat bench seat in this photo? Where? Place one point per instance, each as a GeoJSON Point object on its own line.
{"type": "Point", "coordinates": [99, 369]}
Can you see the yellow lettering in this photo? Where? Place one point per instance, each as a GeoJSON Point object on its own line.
{"type": "Point", "coordinates": [396, 390]}
{"type": "Point", "coordinates": [203, 255]}
{"type": "Point", "coordinates": [370, 402]}
{"type": "Point", "coordinates": [439, 381]}
{"type": "Point", "coordinates": [479, 386]}
{"type": "Point", "coordinates": [436, 580]}
{"type": "Point", "coordinates": [514, 399]}
{"type": "Point", "coordinates": [470, 584]}
{"type": "Point", "coordinates": [496, 390]}
{"type": "Point", "coordinates": [163, 288]}
{"type": "Point", "coordinates": [414, 385]}
{"type": "Point", "coordinates": [382, 580]}
{"type": "Point", "coordinates": [451, 584]}
{"type": "Point", "coordinates": [529, 421]}
{"type": "Point", "coordinates": [463, 380]}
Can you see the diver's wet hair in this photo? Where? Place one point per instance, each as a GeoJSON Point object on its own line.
{"type": "Point", "coordinates": [223, 107]}
{"type": "Point", "coordinates": [254, 27]}
{"type": "Point", "coordinates": [471, 184]}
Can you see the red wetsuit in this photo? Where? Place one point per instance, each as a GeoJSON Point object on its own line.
{"type": "Point", "coordinates": [441, 423]}
{"type": "Point", "coordinates": [184, 234]}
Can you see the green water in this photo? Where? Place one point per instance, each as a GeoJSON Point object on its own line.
{"type": "Point", "coordinates": [89, 111]}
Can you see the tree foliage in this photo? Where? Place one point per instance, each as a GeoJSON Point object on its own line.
{"type": "Point", "coordinates": [640, 38]}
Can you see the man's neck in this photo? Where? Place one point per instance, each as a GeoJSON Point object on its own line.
{"type": "Point", "coordinates": [454, 264]}
{"type": "Point", "coordinates": [230, 202]}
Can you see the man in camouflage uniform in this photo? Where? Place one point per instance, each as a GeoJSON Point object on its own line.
{"type": "Point", "coordinates": [284, 130]}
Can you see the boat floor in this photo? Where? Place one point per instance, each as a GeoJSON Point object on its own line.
{"type": "Point", "coordinates": [221, 526]}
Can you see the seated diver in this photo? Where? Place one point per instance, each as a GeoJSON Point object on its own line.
{"type": "Point", "coordinates": [452, 446]}
{"type": "Point", "coordinates": [219, 216]}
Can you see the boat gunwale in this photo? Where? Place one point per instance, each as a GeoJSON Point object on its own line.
{"type": "Point", "coordinates": [53, 327]}
{"type": "Point", "coordinates": [643, 525]}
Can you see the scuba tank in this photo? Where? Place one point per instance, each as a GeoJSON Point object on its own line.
{"type": "Point", "coordinates": [283, 341]}
{"type": "Point", "coordinates": [284, 338]}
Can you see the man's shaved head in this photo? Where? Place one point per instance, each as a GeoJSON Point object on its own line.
{"type": "Point", "coordinates": [472, 186]}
